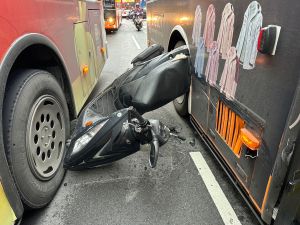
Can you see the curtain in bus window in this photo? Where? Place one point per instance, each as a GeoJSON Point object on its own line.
{"type": "Point", "coordinates": [197, 26]}
{"type": "Point", "coordinates": [230, 75]}
{"type": "Point", "coordinates": [226, 30]}
{"type": "Point", "coordinates": [199, 61]}
{"type": "Point", "coordinates": [209, 28]}
{"type": "Point", "coordinates": [247, 42]}
{"type": "Point", "coordinates": [212, 66]}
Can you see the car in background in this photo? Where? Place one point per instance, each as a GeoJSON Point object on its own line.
{"type": "Point", "coordinates": [125, 13]}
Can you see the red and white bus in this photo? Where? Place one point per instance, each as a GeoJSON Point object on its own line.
{"type": "Point", "coordinates": [51, 55]}
{"type": "Point", "coordinates": [112, 14]}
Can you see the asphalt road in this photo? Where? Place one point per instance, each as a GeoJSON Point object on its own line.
{"type": "Point", "coordinates": [128, 191]}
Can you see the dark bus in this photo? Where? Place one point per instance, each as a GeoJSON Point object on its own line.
{"type": "Point", "coordinates": [112, 14]}
{"type": "Point", "coordinates": [244, 98]}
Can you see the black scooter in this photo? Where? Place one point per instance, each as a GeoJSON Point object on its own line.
{"type": "Point", "coordinates": [138, 21]}
{"type": "Point", "coordinates": [112, 127]}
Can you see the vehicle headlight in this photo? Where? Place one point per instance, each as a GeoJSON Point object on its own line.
{"type": "Point", "coordinates": [87, 137]}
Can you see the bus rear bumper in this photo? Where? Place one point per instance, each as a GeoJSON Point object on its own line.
{"type": "Point", "coordinates": [110, 26]}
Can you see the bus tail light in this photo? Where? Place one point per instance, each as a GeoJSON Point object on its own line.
{"type": "Point", "coordinates": [249, 139]}
{"type": "Point", "coordinates": [111, 20]}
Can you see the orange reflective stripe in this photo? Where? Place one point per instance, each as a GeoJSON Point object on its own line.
{"type": "Point", "coordinates": [231, 129]}
{"type": "Point", "coordinates": [236, 131]}
{"type": "Point", "coordinates": [224, 122]}
{"type": "Point", "coordinates": [238, 145]}
{"type": "Point", "coordinates": [228, 126]}
{"type": "Point", "coordinates": [217, 114]}
{"type": "Point", "coordinates": [220, 117]}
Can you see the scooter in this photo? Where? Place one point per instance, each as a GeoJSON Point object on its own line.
{"type": "Point", "coordinates": [112, 127]}
{"type": "Point", "coordinates": [138, 21]}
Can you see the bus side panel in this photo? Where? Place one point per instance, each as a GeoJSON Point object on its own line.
{"type": "Point", "coordinates": [200, 101]}
{"type": "Point", "coordinates": [55, 20]}
{"type": "Point", "coordinates": [264, 94]}
{"type": "Point", "coordinates": [155, 23]}
{"type": "Point", "coordinates": [268, 89]}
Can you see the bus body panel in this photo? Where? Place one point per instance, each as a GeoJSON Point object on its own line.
{"type": "Point", "coordinates": [55, 20]}
{"type": "Point", "coordinates": [52, 24]}
{"type": "Point", "coordinates": [264, 94]}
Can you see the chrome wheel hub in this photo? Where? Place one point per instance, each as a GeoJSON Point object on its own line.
{"type": "Point", "coordinates": [45, 137]}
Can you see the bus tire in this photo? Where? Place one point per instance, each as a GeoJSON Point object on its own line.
{"type": "Point", "coordinates": [181, 103]}
{"type": "Point", "coordinates": [36, 126]}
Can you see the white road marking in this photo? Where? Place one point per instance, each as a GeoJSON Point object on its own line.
{"type": "Point", "coordinates": [136, 43]}
{"type": "Point", "coordinates": [225, 209]}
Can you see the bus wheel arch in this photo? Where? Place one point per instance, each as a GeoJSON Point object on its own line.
{"type": "Point", "coordinates": [177, 34]}
{"type": "Point", "coordinates": [25, 44]}
{"type": "Point", "coordinates": [47, 59]}
{"type": "Point", "coordinates": [178, 38]}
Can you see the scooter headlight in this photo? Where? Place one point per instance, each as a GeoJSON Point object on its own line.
{"type": "Point", "coordinates": [87, 137]}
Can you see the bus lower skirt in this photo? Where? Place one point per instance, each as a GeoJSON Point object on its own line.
{"type": "Point", "coordinates": [225, 168]}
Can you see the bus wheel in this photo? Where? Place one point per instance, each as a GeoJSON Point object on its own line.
{"type": "Point", "coordinates": [36, 125]}
{"type": "Point", "coordinates": [181, 103]}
